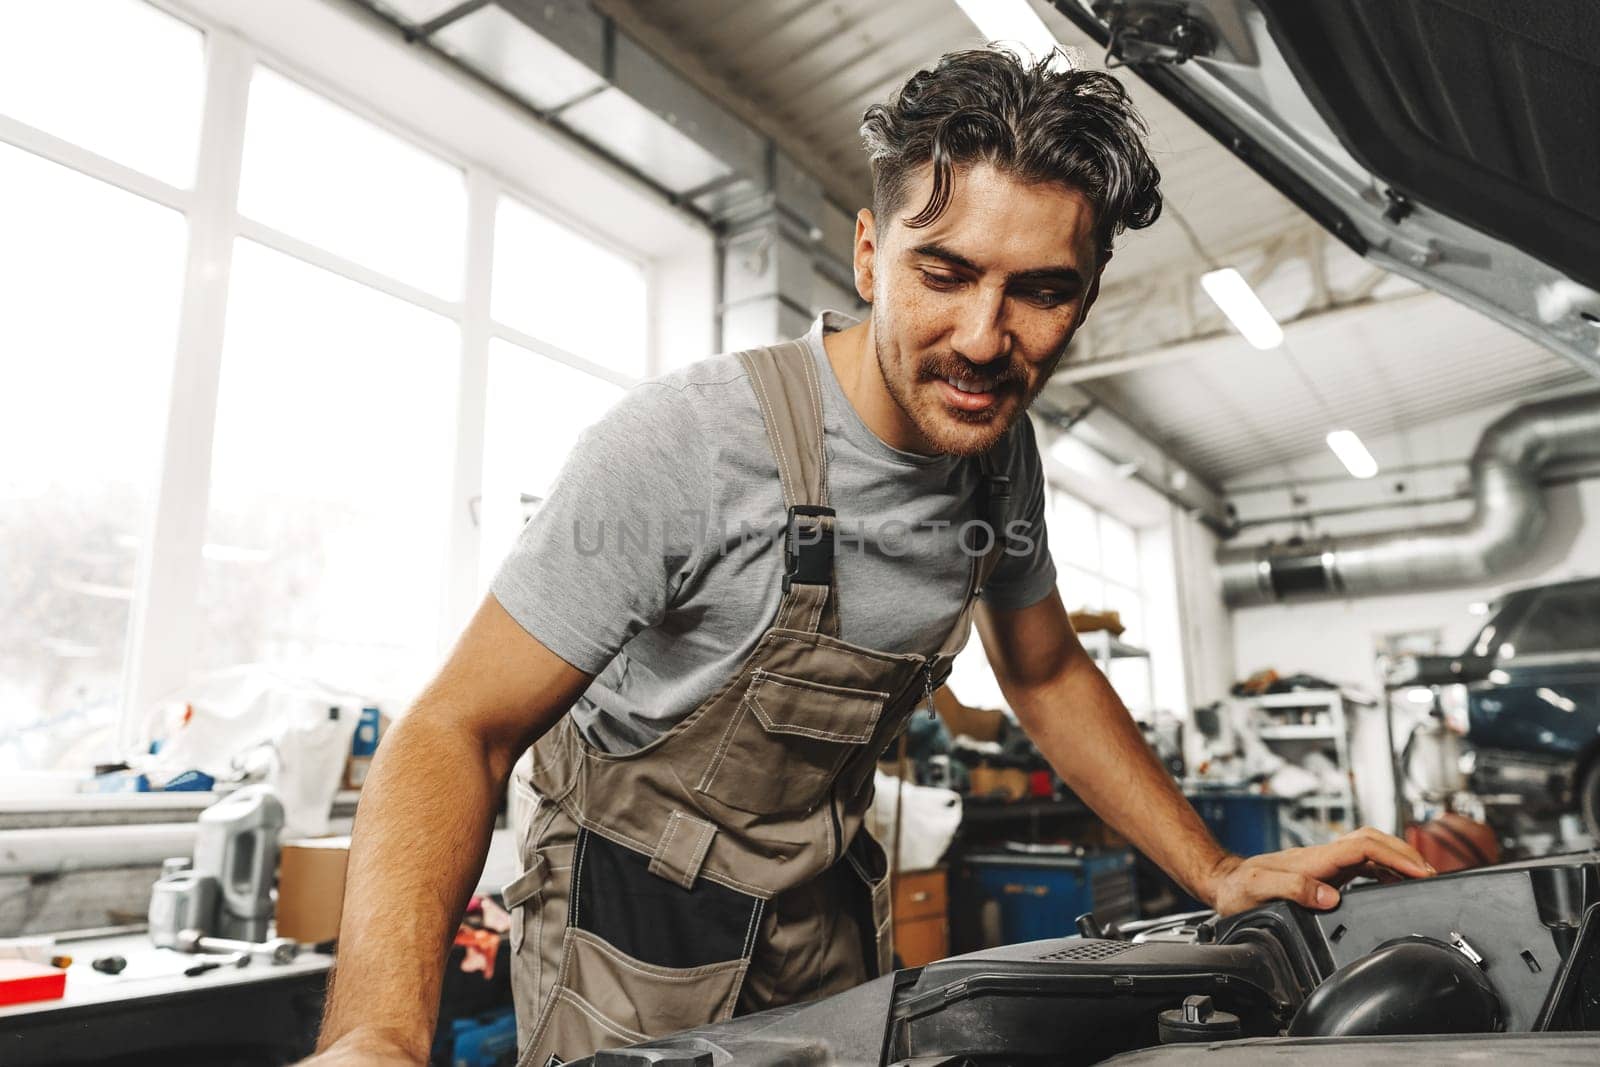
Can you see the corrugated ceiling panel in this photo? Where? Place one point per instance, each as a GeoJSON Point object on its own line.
{"type": "Point", "coordinates": [810, 67]}
{"type": "Point", "coordinates": [1230, 408]}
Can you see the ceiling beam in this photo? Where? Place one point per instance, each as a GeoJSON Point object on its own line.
{"type": "Point", "coordinates": [636, 18]}
{"type": "Point", "coordinates": [1214, 342]}
{"type": "Point", "coordinates": [1196, 329]}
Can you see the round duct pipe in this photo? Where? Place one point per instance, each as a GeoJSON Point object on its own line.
{"type": "Point", "coordinates": [1507, 520]}
{"type": "Point", "coordinates": [1416, 985]}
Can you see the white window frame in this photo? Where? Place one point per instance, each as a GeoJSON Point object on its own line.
{"type": "Point", "coordinates": [323, 50]}
{"type": "Point", "coordinates": [1097, 569]}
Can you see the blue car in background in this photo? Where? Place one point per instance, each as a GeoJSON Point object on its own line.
{"type": "Point", "coordinates": [1528, 689]}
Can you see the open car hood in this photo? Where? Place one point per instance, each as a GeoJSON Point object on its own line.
{"type": "Point", "coordinates": [1455, 142]}
{"type": "Point", "coordinates": [1498, 965]}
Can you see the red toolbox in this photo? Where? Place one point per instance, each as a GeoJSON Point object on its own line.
{"type": "Point", "coordinates": [23, 980]}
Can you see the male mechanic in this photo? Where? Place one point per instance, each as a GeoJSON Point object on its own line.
{"type": "Point", "coordinates": [705, 706]}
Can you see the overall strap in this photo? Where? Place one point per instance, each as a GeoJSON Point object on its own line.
{"type": "Point", "coordinates": [789, 393]}
{"type": "Point", "coordinates": [994, 509]}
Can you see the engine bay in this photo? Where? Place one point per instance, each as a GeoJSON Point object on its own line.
{"type": "Point", "coordinates": [1500, 953]}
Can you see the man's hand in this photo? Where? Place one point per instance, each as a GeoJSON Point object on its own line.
{"type": "Point", "coordinates": [1312, 876]}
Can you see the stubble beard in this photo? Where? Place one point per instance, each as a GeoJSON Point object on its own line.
{"type": "Point", "coordinates": [947, 430]}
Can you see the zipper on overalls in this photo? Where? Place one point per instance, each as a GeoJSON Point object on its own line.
{"type": "Point", "coordinates": [838, 829]}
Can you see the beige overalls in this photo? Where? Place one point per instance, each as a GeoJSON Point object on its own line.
{"type": "Point", "coordinates": [668, 886]}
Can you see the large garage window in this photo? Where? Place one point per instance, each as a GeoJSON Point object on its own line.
{"type": "Point", "coordinates": [326, 543]}
{"type": "Point", "coordinates": [254, 406]}
{"type": "Point", "coordinates": [56, 59]}
{"type": "Point", "coordinates": [90, 281]}
{"type": "Point", "coordinates": [317, 172]}
{"type": "Point", "coordinates": [527, 439]}
{"type": "Point", "coordinates": [1097, 559]}
{"type": "Point", "coordinates": [568, 290]}
{"type": "Point", "coordinates": [1097, 566]}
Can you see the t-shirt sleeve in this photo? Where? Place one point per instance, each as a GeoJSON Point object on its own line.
{"type": "Point", "coordinates": [624, 526]}
{"type": "Point", "coordinates": [1025, 573]}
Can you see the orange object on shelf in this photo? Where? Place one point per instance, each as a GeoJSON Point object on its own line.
{"type": "Point", "coordinates": [1086, 621]}
{"type": "Point", "coordinates": [22, 981]}
{"type": "Point", "coordinates": [1453, 842]}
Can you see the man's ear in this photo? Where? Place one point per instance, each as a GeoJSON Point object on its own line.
{"type": "Point", "coordinates": [866, 251]}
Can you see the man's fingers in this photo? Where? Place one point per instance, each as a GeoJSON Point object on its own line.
{"type": "Point", "coordinates": [1378, 872]}
{"type": "Point", "coordinates": [1354, 850]}
{"type": "Point", "coordinates": [1271, 883]}
{"type": "Point", "coordinates": [1399, 846]}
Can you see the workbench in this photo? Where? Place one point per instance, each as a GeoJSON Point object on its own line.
{"type": "Point", "coordinates": [153, 1013]}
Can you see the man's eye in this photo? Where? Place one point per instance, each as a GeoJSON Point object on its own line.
{"type": "Point", "coordinates": [940, 281]}
{"type": "Point", "coordinates": [1048, 298]}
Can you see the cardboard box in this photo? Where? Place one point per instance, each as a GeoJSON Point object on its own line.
{"type": "Point", "coordinates": [1006, 782]}
{"type": "Point", "coordinates": [1086, 622]}
{"type": "Point", "coordinates": [311, 888]}
{"type": "Point", "coordinates": [980, 724]}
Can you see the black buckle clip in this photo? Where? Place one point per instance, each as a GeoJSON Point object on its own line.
{"type": "Point", "coordinates": [996, 492]}
{"type": "Point", "coordinates": [807, 547]}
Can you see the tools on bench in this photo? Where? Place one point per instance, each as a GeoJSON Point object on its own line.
{"type": "Point", "coordinates": [278, 950]}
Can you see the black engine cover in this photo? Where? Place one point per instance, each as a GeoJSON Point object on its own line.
{"type": "Point", "coordinates": [1076, 1000]}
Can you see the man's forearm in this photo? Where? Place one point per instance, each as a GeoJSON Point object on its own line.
{"type": "Point", "coordinates": [421, 834]}
{"type": "Point", "coordinates": [1085, 731]}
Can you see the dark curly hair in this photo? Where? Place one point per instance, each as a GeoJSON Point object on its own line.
{"type": "Point", "coordinates": [1039, 124]}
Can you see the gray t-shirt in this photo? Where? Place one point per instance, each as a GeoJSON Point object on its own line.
{"type": "Point", "coordinates": [652, 564]}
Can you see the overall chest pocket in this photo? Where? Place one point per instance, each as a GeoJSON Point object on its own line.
{"type": "Point", "coordinates": [785, 744]}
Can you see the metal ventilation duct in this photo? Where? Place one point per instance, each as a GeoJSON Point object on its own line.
{"type": "Point", "coordinates": [1508, 517]}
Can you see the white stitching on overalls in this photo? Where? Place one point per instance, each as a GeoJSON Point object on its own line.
{"type": "Point", "coordinates": [674, 821]}
{"type": "Point", "coordinates": [701, 846]}
{"type": "Point", "coordinates": [573, 895]}
{"type": "Point", "coordinates": [752, 929]}
{"type": "Point", "coordinates": [656, 972]}
{"type": "Point", "coordinates": [600, 1019]}
{"type": "Point", "coordinates": [722, 748]}
{"type": "Point", "coordinates": [814, 387]}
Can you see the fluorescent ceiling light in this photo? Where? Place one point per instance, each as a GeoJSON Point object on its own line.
{"type": "Point", "coordinates": [1011, 22]}
{"type": "Point", "coordinates": [1230, 292]}
{"type": "Point", "coordinates": [1352, 453]}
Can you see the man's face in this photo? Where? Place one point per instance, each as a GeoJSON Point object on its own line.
{"type": "Point", "coordinates": [971, 315]}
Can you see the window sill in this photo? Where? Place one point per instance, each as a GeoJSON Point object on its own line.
{"type": "Point", "coordinates": [100, 809]}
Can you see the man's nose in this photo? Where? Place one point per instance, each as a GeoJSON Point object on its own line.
{"type": "Point", "coordinates": [980, 334]}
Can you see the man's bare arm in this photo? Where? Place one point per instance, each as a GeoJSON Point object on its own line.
{"type": "Point", "coordinates": [1080, 725]}
{"type": "Point", "coordinates": [422, 831]}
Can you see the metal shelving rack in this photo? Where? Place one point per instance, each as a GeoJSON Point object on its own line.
{"type": "Point", "coordinates": [1292, 724]}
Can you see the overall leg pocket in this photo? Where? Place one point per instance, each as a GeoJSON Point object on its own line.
{"type": "Point", "coordinates": [537, 900]}
{"type": "Point", "coordinates": [607, 998]}
{"type": "Point", "coordinates": [642, 956]}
